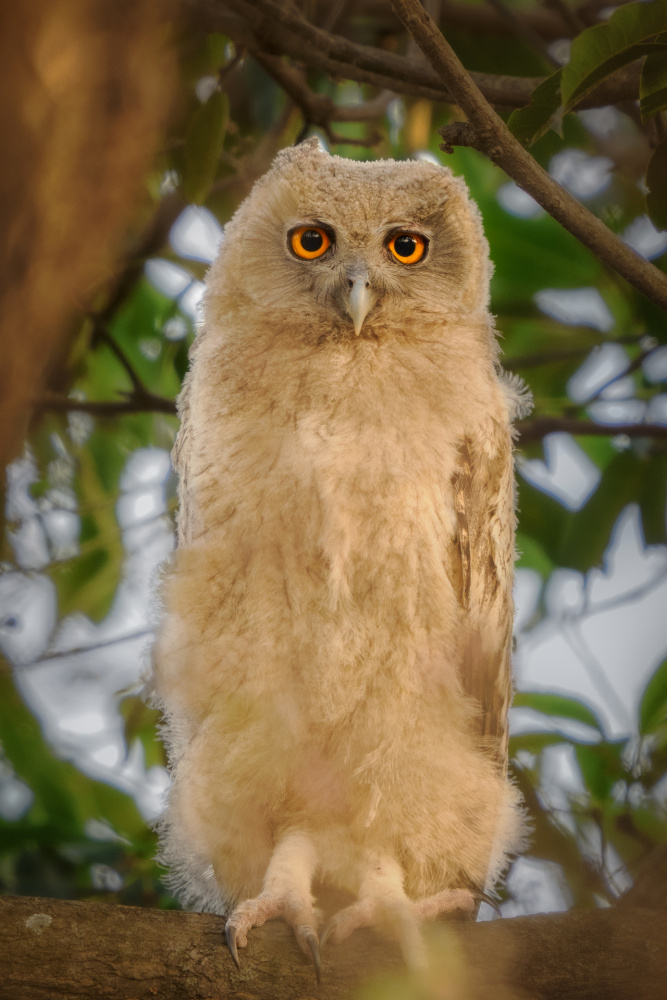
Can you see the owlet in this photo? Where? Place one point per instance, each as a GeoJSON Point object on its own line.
{"type": "Point", "coordinates": [333, 659]}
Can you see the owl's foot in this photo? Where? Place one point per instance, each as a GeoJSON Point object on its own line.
{"type": "Point", "coordinates": [449, 901]}
{"type": "Point", "coordinates": [382, 902]}
{"type": "Point", "coordinates": [286, 894]}
{"type": "Point", "coordinates": [298, 913]}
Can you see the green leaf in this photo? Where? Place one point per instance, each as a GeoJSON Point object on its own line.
{"type": "Point", "coordinates": [653, 706]}
{"type": "Point", "coordinates": [64, 797]}
{"type": "Point", "coordinates": [586, 533]}
{"type": "Point", "coordinates": [656, 181]}
{"type": "Point", "coordinates": [653, 82]}
{"type": "Point", "coordinates": [535, 742]}
{"type": "Point", "coordinates": [203, 145]}
{"type": "Point", "coordinates": [557, 705]}
{"type": "Point", "coordinates": [604, 48]}
{"type": "Point", "coordinates": [530, 123]}
{"type": "Point", "coordinates": [601, 766]}
{"type": "Point", "coordinates": [653, 499]}
{"type": "Point", "coordinates": [532, 555]}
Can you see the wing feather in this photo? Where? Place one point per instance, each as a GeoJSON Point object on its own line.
{"type": "Point", "coordinates": [484, 504]}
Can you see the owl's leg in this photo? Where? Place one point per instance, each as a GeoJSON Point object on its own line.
{"type": "Point", "coordinates": [382, 901]}
{"type": "Point", "coordinates": [285, 893]}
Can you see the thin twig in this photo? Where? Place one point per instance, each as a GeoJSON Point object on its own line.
{"type": "Point", "coordinates": [142, 402]}
{"type": "Point", "coordinates": [548, 357]}
{"type": "Point", "coordinates": [538, 428]}
{"type": "Point", "coordinates": [488, 133]}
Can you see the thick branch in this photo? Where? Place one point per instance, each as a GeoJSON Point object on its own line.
{"type": "Point", "coordinates": [486, 132]}
{"type": "Point", "coordinates": [53, 948]}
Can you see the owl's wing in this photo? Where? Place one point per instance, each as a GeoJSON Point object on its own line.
{"type": "Point", "coordinates": [180, 457]}
{"type": "Point", "coordinates": [482, 570]}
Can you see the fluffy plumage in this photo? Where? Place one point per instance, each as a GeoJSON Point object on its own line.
{"type": "Point", "coordinates": [333, 660]}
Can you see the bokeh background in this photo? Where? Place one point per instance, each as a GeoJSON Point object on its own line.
{"type": "Point", "coordinates": [90, 495]}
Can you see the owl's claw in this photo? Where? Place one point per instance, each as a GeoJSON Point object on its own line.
{"type": "Point", "coordinates": [230, 934]}
{"type": "Point", "coordinates": [483, 897]}
{"type": "Point", "coordinates": [308, 935]}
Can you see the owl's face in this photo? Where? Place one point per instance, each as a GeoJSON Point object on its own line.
{"type": "Point", "coordinates": [356, 249]}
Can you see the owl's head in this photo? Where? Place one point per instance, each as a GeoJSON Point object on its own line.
{"type": "Point", "coordinates": [351, 248]}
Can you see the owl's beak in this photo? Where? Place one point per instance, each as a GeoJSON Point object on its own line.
{"type": "Point", "coordinates": [359, 300]}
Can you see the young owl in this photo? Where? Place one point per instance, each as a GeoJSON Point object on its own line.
{"type": "Point", "coordinates": [333, 660]}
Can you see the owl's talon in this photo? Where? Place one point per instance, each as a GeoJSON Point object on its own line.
{"type": "Point", "coordinates": [483, 897]}
{"type": "Point", "coordinates": [309, 935]}
{"type": "Point", "coordinates": [230, 934]}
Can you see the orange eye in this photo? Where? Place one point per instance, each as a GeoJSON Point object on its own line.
{"type": "Point", "coordinates": [408, 248]}
{"type": "Point", "coordinates": [309, 242]}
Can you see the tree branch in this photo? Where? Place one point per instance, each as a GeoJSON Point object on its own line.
{"type": "Point", "coordinates": [480, 19]}
{"type": "Point", "coordinates": [487, 132]}
{"type": "Point", "coordinates": [265, 25]}
{"type": "Point", "coordinates": [53, 947]}
{"type": "Point", "coordinates": [141, 401]}
{"type": "Point", "coordinates": [318, 109]}
{"type": "Point", "coordinates": [539, 427]}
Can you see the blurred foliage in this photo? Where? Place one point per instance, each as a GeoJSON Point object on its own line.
{"type": "Point", "coordinates": [234, 117]}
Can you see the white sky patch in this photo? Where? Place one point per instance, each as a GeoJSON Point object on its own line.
{"type": "Point", "coordinates": [108, 756]}
{"type": "Point", "coordinates": [576, 307]}
{"type": "Point", "coordinates": [622, 411]}
{"type": "Point", "coordinates": [527, 589]}
{"type": "Point", "coordinates": [196, 234]}
{"type": "Point", "coordinates": [582, 175]}
{"type": "Point", "coordinates": [643, 237]}
{"type": "Point", "coordinates": [84, 724]}
{"type": "Point", "coordinates": [28, 616]}
{"type": "Point", "coordinates": [604, 653]}
{"type": "Point", "coordinates": [427, 157]}
{"type": "Point", "coordinates": [175, 328]}
{"type": "Point", "coordinates": [654, 365]}
{"type": "Point", "coordinates": [518, 202]}
{"type": "Point", "coordinates": [191, 299]}
{"type": "Point", "coordinates": [601, 366]}
{"type": "Point", "coordinates": [567, 473]}
{"type": "Point", "coordinates": [168, 278]}
{"type": "Point", "coordinates": [536, 887]}
{"type": "Point", "coordinates": [601, 121]}
{"type": "Point", "coordinates": [656, 411]}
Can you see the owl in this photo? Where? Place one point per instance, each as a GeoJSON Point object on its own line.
{"type": "Point", "coordinates": [333, 656]}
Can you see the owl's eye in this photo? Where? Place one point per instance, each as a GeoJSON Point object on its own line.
{"type": "Point", "coordinates": [407, 248]}
{"type": "Point", "coordinates": [309, 242]}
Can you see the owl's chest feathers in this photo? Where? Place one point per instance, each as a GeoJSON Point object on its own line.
{"type": "Point", "coordinates": [333, 479]}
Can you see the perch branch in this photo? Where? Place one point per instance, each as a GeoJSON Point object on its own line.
{"type": "Point", "coordinates": [52, 947]}
{"type": "Point", "coordinates": [487, 132]}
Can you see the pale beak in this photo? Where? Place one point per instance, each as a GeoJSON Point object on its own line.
{"type": "Point", "coordinates": [360, 300]}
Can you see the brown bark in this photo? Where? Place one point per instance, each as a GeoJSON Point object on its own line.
{"type": "Point", "coordinates": [52, 948]}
